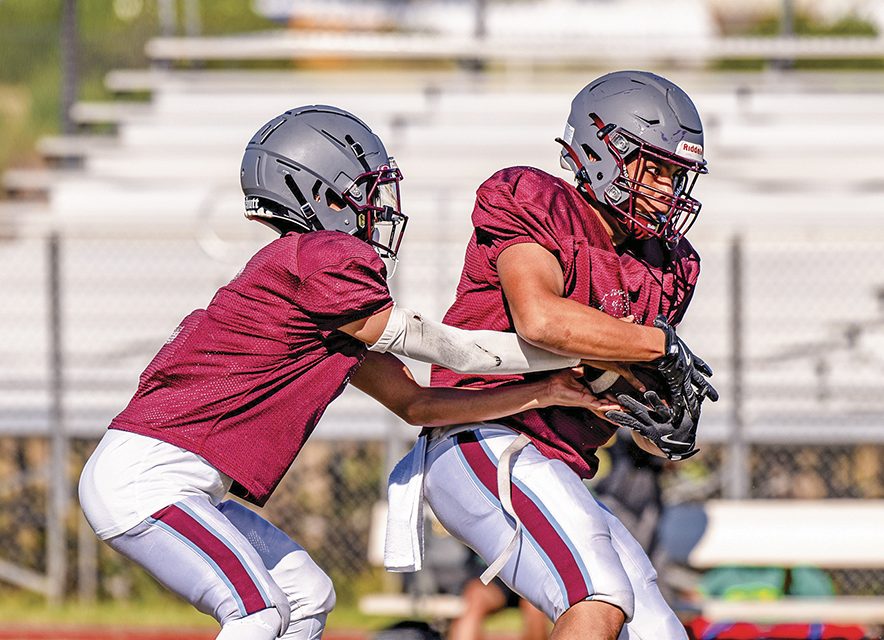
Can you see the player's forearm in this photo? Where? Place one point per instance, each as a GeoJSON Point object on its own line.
{"type": "Point", "coordinates": [387, 380]}
{"type": "Point", "coordinates": [533, 283]}
{"type": "Point", "coordinates": [441, 406]}
{"type": "Point", "coordinates": [570, 328]}
{"type": "Point", "coordinates": [407, 333]}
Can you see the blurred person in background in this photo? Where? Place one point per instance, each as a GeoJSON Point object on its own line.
{"type": "Point", "coordinates": [230, 399]}
{"type": "Point", "coordinates": [599, 270]}
{"type": "Point", "coordinates": [483, 600]}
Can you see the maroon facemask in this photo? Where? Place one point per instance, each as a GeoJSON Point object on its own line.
{"type": "Point", "coordinates": [379, 218]}
{"type": "Point", "coordinates": [674, 212]}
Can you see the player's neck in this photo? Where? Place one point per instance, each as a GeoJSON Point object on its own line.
{"type": "Point", "coordinates": [614, 230]}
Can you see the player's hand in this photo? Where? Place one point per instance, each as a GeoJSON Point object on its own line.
{"type": "Point", "coordinates": [685, 375]}
{"type": "Point", "coordinates": [655, 422]}
{"type": "Point", "coordinates": [565, 389]}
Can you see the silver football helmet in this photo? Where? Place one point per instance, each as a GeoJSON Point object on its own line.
{"type": "Point", "coordinates": [319, 167]}
{"type": "Point", "coordinates": [623, 114]}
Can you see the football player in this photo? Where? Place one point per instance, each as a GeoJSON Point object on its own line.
{"type": "Point", "coordinates": [600, 270]}
{"type": "Point", "coordinates": [228, 402]}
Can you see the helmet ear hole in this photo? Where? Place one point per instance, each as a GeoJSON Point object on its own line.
{"type": "Point", "coordinates": [591, 155]}
{"type": "Point", "coordinates": [334, 201]}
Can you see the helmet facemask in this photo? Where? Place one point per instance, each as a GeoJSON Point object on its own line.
{"type": "Point", "coordinates": [374, 197]}
{"type": "Point", "coordinates": [679, 211]}
{"type": "Point", "coordinates": [672, 212]}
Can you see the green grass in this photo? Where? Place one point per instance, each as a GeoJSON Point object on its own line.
{"type": "Point", "coordinates": [160, 609]}
{"type": "Point", "coordinates": [25, 608]}
{"type": "Point", "coordinates": [21, 608]}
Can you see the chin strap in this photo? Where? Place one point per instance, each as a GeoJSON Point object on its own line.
{"type": "Point", "coordinates": [580, 171]}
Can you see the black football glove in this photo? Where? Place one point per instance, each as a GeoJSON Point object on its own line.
{"type": "Point", "coordinates": [654, 422]}
{"type": "Point", "coordinates": [685, 375]}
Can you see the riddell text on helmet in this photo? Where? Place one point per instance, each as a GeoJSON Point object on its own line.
{"type": "Point", "coordinates": [690, 149]}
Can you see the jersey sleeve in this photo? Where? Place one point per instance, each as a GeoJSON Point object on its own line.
{"type": "Point", "coordinates": [514, 206]}
{"type": "Point", "coordinates": [680, 282]}
{"type": "Point", "coordinates": [344, 281]}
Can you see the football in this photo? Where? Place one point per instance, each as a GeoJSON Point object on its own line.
{"type": "Point", "coordinates": [649, 376]}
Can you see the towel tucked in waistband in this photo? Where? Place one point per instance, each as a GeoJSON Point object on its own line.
{"type": "Point", "coordinates": [404, 541]}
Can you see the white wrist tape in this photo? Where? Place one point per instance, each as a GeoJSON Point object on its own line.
{"type": "Point", "coordinates": [408, 334]}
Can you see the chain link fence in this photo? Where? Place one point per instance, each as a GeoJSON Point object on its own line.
{"type": "Point", "coordinates": [800, 416]}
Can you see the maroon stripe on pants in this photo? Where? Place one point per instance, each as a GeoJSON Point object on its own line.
{"type": "Point", "coordinates": [533, 519]}
{"type": "Point", "coordinates": [219, 552]}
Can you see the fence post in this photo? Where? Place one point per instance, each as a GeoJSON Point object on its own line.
{"type": "Point", "coordinates": [736, 476]}
{"type": "Point", "coordinates": [56, 545]}
{"type": "Point", "coordinates": [87, 562]}
{"type": "Point", "coordinates": [69, 64]}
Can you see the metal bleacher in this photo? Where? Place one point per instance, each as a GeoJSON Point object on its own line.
{"type": "Point", "coordinates": [150, 217]}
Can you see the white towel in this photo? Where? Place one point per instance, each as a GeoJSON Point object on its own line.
{"type": "Point", "coordinates": [404, 542]}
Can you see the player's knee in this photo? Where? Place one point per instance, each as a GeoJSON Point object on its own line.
{"type": "Point", "coordinates": [482, 600]}
{"type": "Point", "coordinates": [622, 600]}
{"type": "Point", "coordinates": [321, 597]}
{"type": "Point", "coordinates": [325, 597]}
{"type": "Point", "coordinates": [309, 590]}
{"type": "Point", "coordinates": [604, 618]}
{"type": "Point", "coordinates": [261, 625]}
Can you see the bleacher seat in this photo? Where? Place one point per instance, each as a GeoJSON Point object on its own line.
{"type": "Point", "coordinates": [171, 169]}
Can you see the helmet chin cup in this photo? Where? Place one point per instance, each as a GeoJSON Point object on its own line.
{"type": "Point", "coordinates": [390, 263]}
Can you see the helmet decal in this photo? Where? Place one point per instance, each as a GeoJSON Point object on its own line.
{"type": "Point", "coordinates": [690, 150]}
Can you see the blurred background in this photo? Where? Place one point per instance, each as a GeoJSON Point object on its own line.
{"type": "Point", "coordinates": [122, 124]}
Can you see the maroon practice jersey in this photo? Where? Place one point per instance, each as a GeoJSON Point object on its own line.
{"type": "Point", "coordinates": [523, 204]}
{"type": "Point", "coordinates": [243, 382]}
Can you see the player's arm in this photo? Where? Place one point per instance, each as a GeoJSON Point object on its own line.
{"type": "Point", "coordinates": [533, 283]}
{"type": "Point", "coordinates": [386, 379]}
{"type": "Point", "coordinates": [406, 333]}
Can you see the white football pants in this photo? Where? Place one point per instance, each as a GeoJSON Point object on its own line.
{"type": "Point", "coordinates": [571, 548]}
{"type": "Point", "coordinates": [222, 557]}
